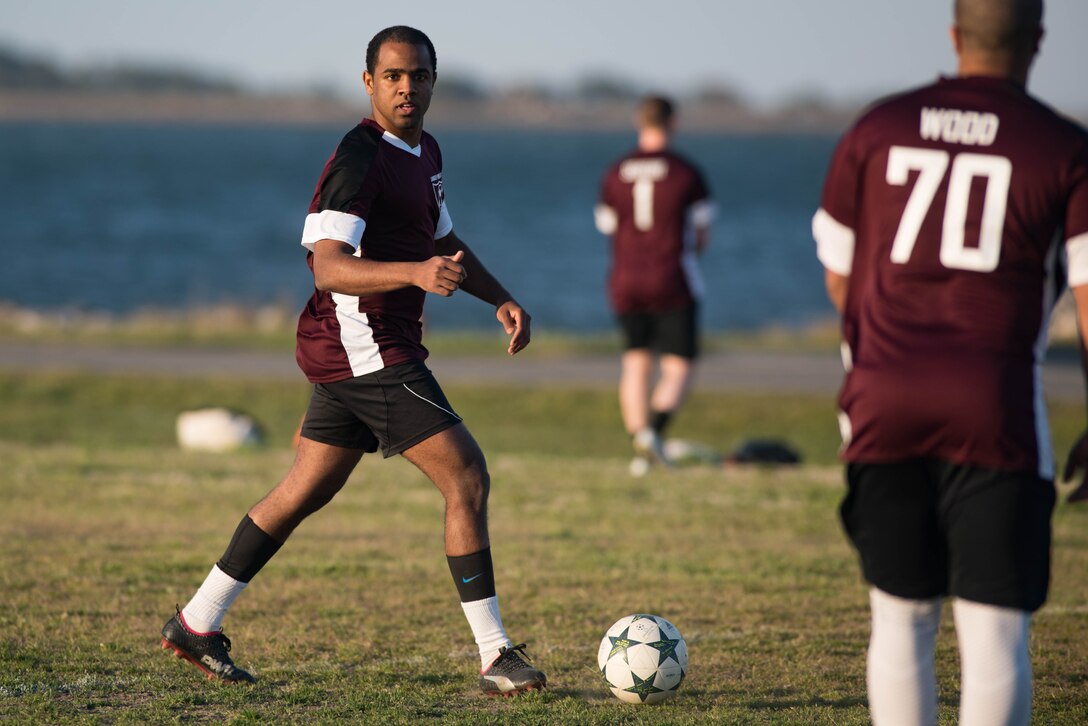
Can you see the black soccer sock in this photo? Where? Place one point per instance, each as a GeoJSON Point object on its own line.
{"type": "Point", "coordinates": [249, 550]}
{"type": "Point", "coordinates": [474, 575]}
{"type": "Point", "coordinates": [659, 420]}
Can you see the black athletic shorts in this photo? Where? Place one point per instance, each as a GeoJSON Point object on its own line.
{"type": "Point", "coordinates": [669, 331]}
{"type": "Point", "coordinates": [926, 528]}
{"type": "Point", "coordinates": [396, 407]}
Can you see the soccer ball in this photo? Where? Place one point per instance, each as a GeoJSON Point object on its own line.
{"type": "Point", "coordinates": [643, 659]}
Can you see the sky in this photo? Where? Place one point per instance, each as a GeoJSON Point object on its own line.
{"type": "Point", "coordinates": [770, 51]}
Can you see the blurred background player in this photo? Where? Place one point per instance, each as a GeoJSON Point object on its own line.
{"type": "Point", "coordinates": [946, 217]}
{"type": "Point", "coordinates": [378, 238]}
{"type": "Point", "coordinates": [656, 207]}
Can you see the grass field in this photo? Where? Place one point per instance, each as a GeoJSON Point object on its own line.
{"type": "Point", "coordinates": [105, 525]}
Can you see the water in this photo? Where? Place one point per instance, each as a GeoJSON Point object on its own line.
{"type": "Point", "coordinates": [116, 218]}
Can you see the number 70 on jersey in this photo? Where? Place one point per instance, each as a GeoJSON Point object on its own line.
{"type": "Point", "coordinates": [933, 165]}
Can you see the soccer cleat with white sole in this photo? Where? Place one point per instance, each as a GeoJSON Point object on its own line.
{"type": "Point", "coordinates": [208, 652]}
{"type": "Point", "coordinates": [509, 674]}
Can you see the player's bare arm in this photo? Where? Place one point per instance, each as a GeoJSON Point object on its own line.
{"type": "Point", "coordinates": [836, 288]}
{"type": "Point", "coordinates": [337, 269]}
{"type": "Point", "coordinates": [1078, 455]}
{"type": "Point", "coordinates": [480, 283]}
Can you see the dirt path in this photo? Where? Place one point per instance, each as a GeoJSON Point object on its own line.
{"type": "Point", "coordinates": [800, 372]}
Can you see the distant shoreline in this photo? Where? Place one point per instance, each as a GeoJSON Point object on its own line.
{"type": "Point", "coordinates": [517, 112]}
{"type": "Point", "coordinates": [39, 106]}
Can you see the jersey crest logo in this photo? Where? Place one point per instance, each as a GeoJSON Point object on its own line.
{"type": "Point", "coordinates": [439, 192]}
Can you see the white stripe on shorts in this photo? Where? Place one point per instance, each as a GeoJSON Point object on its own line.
{"type": "Point", "coordinates": [440, 408]}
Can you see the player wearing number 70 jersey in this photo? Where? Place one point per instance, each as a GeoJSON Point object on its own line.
{"type": "Point", "coordinates": [951, 218]}
{"type": "Point", "coordinates": [953, 212]}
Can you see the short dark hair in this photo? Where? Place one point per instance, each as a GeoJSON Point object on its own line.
{"type": "Point", "coordinates": [398, 34]}
{"type": "Point", "coordinates": [655, 111]}
{"type": "Point", "coordinates": [999, 26]}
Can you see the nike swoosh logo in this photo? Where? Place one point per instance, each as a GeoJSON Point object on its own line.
{"type": "Point", "coordinates": [467, 580]}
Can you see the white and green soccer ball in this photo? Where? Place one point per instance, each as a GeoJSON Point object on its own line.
{"type": "Point", "coordinates": [643, 659]}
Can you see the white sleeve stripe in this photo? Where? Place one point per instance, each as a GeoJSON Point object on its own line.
{"type": "Point", "coordinates": [834, 243]}
{"type": "Point", "coordinates": [330, 224]}
{"type": "Point", "coordinates": [605, 218]}
{"type": "Point", "coordinates": [1076, 249]}
{"type": "Point", "coordinates": [445, 222]}
{"type": "Point", "coordinates": [702, 213]}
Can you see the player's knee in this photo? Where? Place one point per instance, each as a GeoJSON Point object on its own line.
{"type": "Point", "coordinates": [478, 483]}
{"type": "Point", "coordinates": [472, 486]}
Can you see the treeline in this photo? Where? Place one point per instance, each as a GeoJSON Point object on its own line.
{"type": "Point", "coordinates": [34, 88]}
{"type": "Point", "coordinates": [25, 72]}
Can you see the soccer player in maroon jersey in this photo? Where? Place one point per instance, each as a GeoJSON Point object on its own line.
{"type": "Point", "coordinates": [656, 207]}
{"type": "Point", "coordinates": [378, 238]}
{"type": "Point", "coordinates": [951, 217]}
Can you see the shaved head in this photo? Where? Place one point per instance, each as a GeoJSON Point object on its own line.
{"type": "Point", "coordinates": [1001, 27]}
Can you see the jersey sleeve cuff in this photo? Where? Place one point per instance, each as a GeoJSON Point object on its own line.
{"type": "Point", "coordinates": [834, 243]}
{"type": "Point", "coordinates": [1076, 250]}
{"type": "Point", "coordinates": [702, 213]}
{"type": "Point", "coordinates": [331, 224]}
{"type": "Point", "coordinates": [605, 218]}
{"type": "Point", "coordinates": [445, 222]}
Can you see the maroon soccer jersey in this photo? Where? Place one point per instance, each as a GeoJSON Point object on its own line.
{"type": "Point", "coordinates": [650, 204]}
{"type": "Point", "coordinates": [385, 199]}
{"type": "Point", "coordinates": [948, 207]}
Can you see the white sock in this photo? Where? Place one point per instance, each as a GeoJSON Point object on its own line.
{"type": "Point", "coordinates": [486, 623]}
{"type": "Point", "coordinates": [995, 679]}
{"type": "Point", "coordinates": [899, 668]}
{"type": "Point", "coordinates": [205, 612]}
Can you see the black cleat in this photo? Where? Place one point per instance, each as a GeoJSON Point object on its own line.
{"type": "Point", "coordinates": [509, 674]}
{"type": "Point", "coordinates": [209, 653]}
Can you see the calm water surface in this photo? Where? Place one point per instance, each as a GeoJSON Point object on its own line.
{"type": "Point", "coordinates": [117, 218]}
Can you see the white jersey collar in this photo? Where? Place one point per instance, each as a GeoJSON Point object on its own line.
{"type": "Point", "coordinates": [402, 145]}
